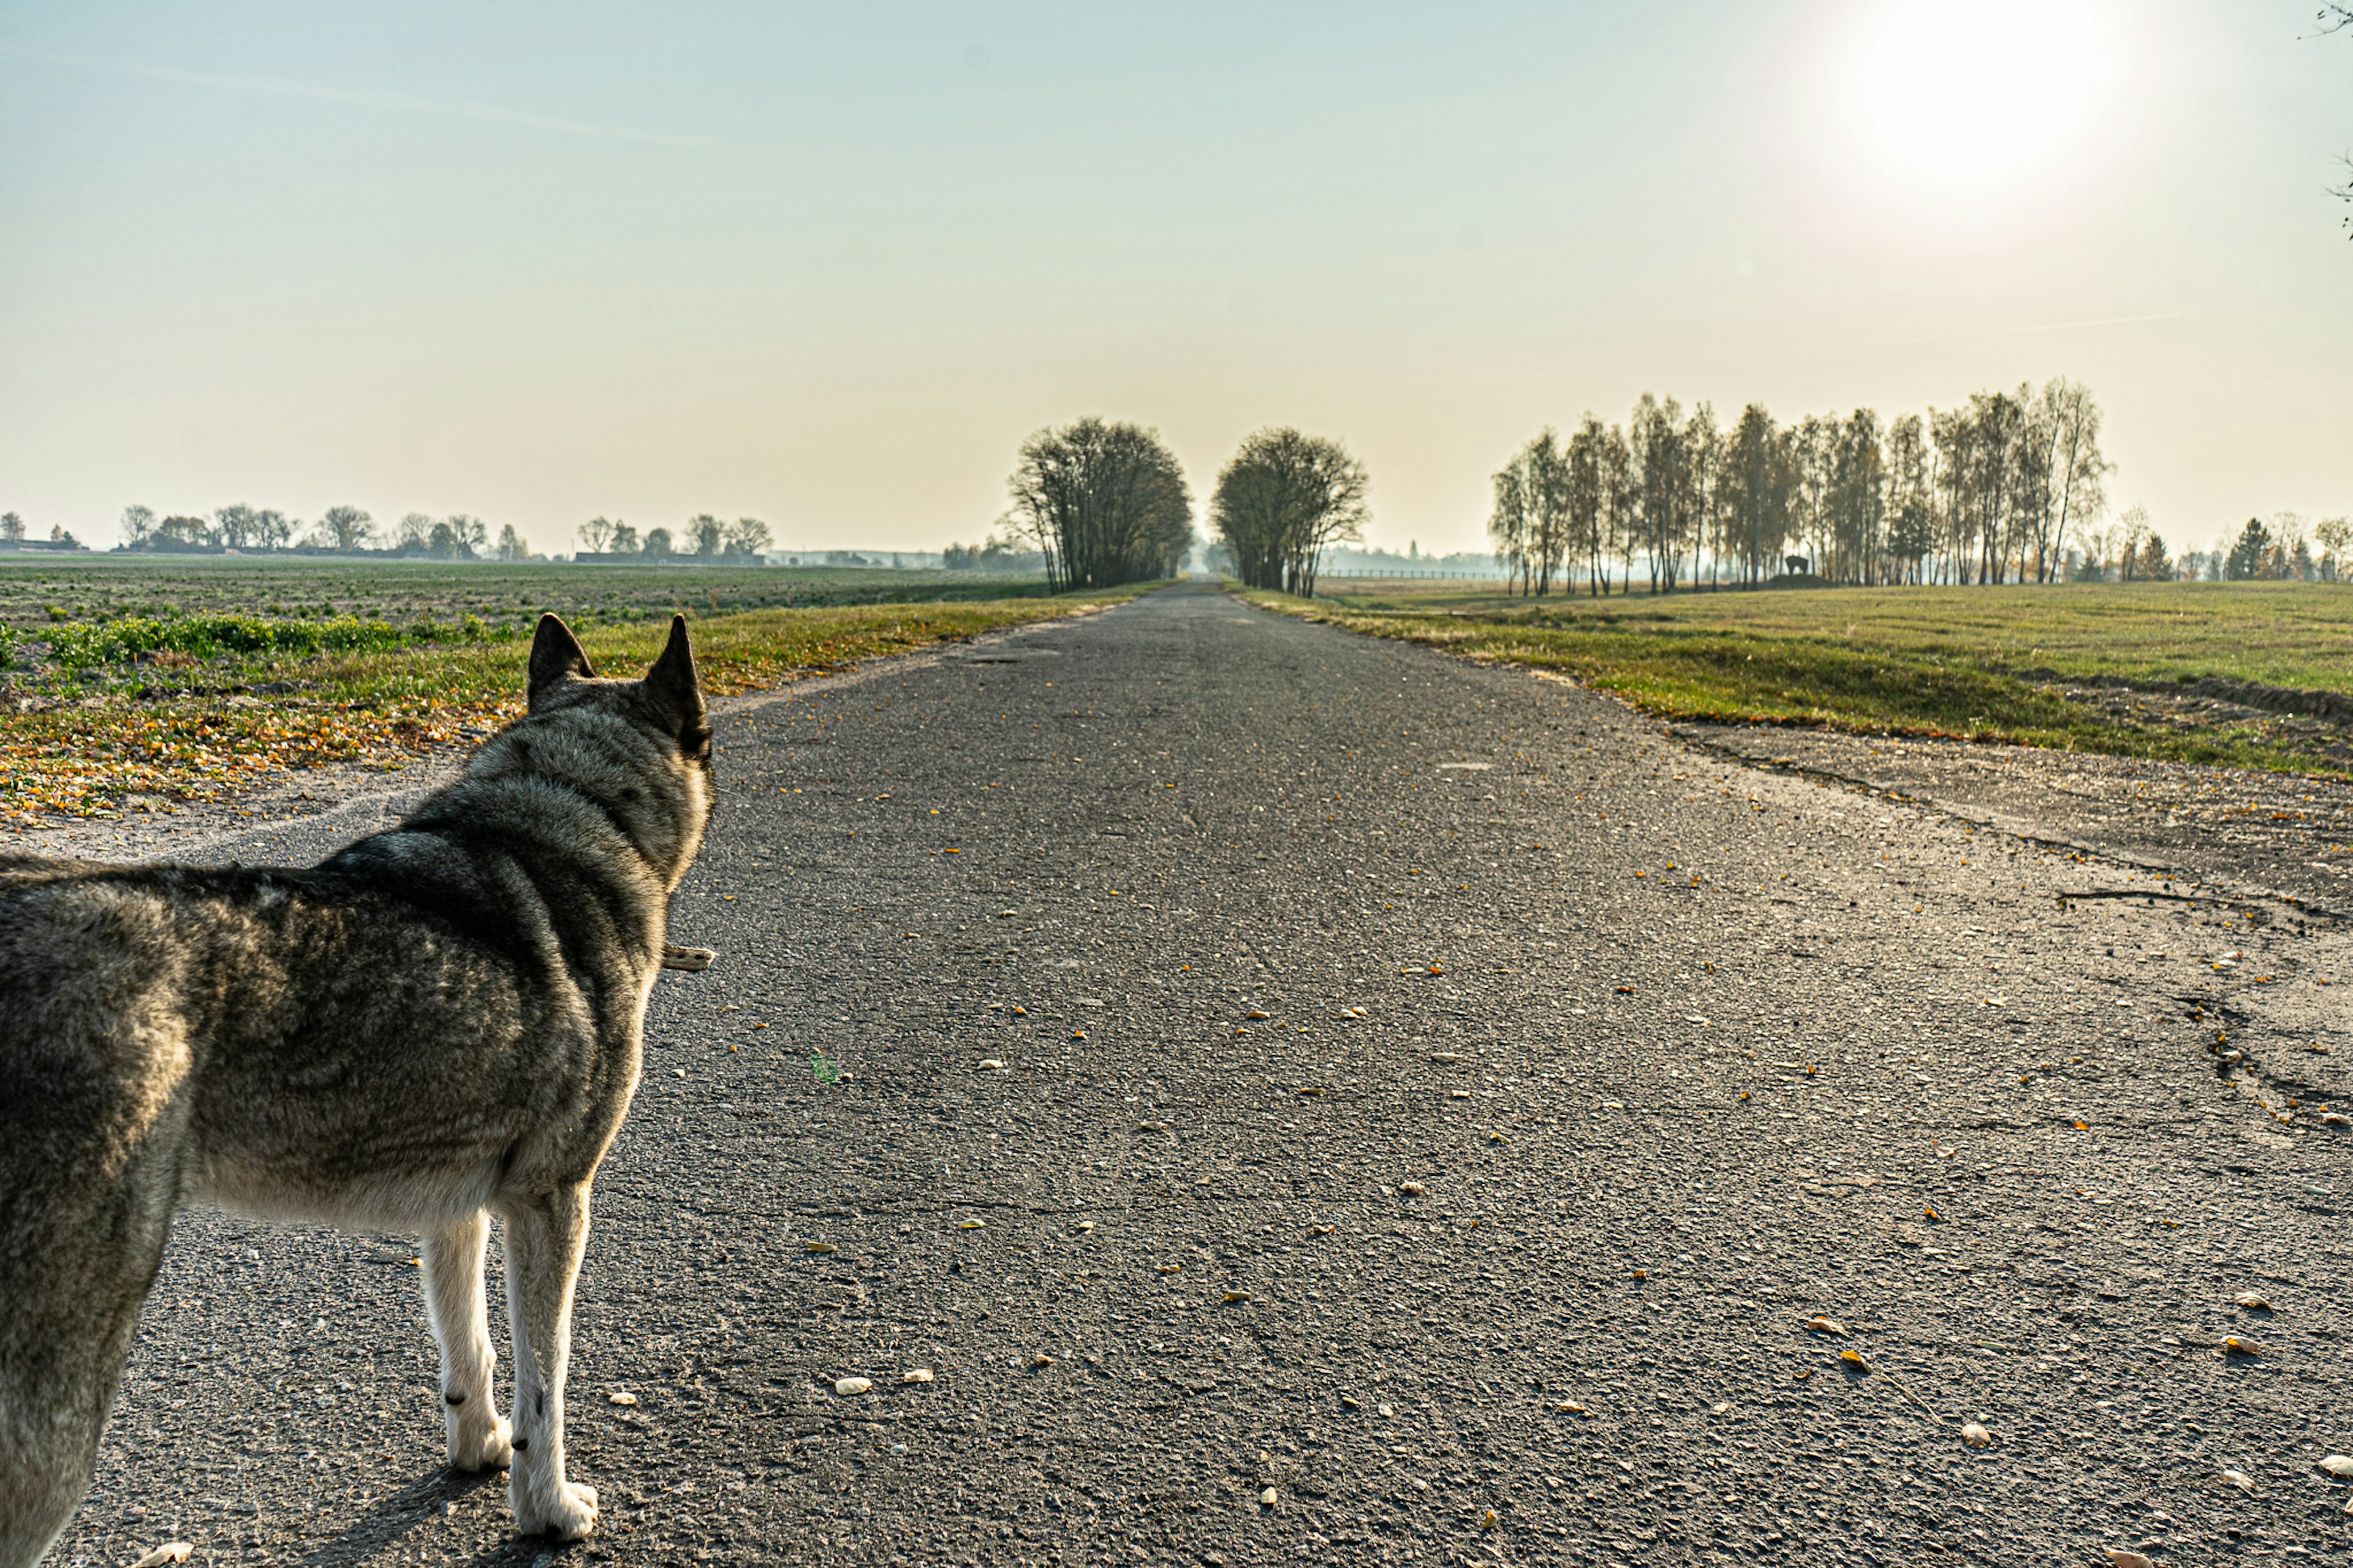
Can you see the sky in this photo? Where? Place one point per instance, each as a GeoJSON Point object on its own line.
{"type": "Point", "coordinates": [827, 266]}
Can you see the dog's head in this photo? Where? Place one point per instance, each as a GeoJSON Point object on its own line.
{"type": "Point", "coordinates": [638, 749]}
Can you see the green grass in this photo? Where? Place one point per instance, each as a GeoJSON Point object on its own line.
{"type": "Point", "coordinates": [37, 591]}
{"type": "Point", "coordinates": [1991, 663]}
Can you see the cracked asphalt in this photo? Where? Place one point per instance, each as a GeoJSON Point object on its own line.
{"type": "Point", "coordinates": [1306, 1099]}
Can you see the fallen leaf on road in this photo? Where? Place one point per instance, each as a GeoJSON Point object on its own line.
{"type": "Point", "coordinates": [2340, 1467]}
{"type": "Point", "coordinates": [852, 1387]}
{"type": "Point", "coordinates": [1854, 1358]}
{"type": "Point", "coordinates": [623, 1398]}
{"type": "Point", "coordinates": [1171, 1267]}
{"type": "Point", "coordinates": [1319, 1230]}
{"type": "Point", "coordinates": [1267, 1498]}
{"type": "Point", "coordinates": [820, 1246]}
{"type": "Point", "coordinates": [2238, 1480]}
{"type": "Point", "coordinates": [170, 1551]}
{"type": "Point", "coordinates": [1254, 1013]}
{"type": "Point", "coordinates": [1446, 1055]}
{"type": "Point", "coordinates": [1802, 1373]}
{"type": "Point", "coordinates": [971, 1225]}
{"type": "Point", "coordinates": [2235, 1346]}
{"type": "Point", "coordinates": [1625, 991]}
{"type": "Point", "coordinates": [918, 1374]}
{"type": "Point", "coordinates": [992, 1065]}
{"type": "Point", "coordinates": [1932, 1213]}
{"type": "Point", "coordinates": [1569, 1407]}
{"type": "Point", "coordinates": [1233, 1297]}
{"type": "Point", "coordinates": [1976, 1436]}
{"type": "Point", "coordinates": [1826, 1326]}
{"type": "Point", "coordinates": [1411, 1189]}
{"type": "Point", "coordinates": [1039, 1362]}
{"type": "Point", "coordinates": [2118, 1558]}
{"type": "Point", "coordinates": [2253, 1302]}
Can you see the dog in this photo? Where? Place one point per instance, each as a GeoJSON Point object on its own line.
{"type": "Point", "coordinates": [438, 1022]}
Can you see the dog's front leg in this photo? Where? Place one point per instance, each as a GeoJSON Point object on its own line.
{"type": "Point", "coordinates": [545, 1237]}
{"type": "Point", "coordinates": [461, 1327]}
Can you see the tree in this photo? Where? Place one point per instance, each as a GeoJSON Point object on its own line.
{"type": "Point", "coordinates": [2132, 527]}
{"type": "Point", "coordinates": [2336, 536]}
{"type": "Point", "coordinates": [657, 544]}
{"type": "Point", "coordinates": [748, 536]}
{"type": "Point", "coordinates": [346, 527]}
{"type": "Point", "coordinates": [511, 545]}
{"type": "Point", "coordinates": [1757, 492]}
{"type": "Point", "coordinates": [1588, 540]}
{"type": "Point", "coordinates": [1283, 499]}
{"type": "Point", "coordinates": [2151, 562]}
{"type": "Point", "coordinates": [1106, 504]}
{"type": "Point", "coordinates": [706, 534]}
{"type": "Point", "coordinates": [1910, 504]}
{"type": "Point", "coordinates": [473, 535]}
{"type": "Point", "coordinates": [596, 534]}
{"type": "Point", "coordinates": [2248, 553]}
{"type": "Point", "coordinates": [416, 532]}
{"type": "Point", "coordinates": [1507, 520]}
{"type": "Point", "coordinates": [12, 527]}
{"type": "Point", "coordinates": [234, 525]}
{"type": "Point", "coordinates": [138, 523]}
{"type": "Point", "coordinates": [185, 532]}
{"type": "Point", "coordinates": [272, 528]}
{"type": "Point", "coordinates": [624, 541]}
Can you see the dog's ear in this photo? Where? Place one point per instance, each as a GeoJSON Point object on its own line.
{"type": "Point", "coordinates": [677, 689]}
{"type": "Point", "coordinates": [555, 655]}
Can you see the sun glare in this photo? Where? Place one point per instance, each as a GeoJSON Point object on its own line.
{"type": "Point", "coordinates": [1968, 89]}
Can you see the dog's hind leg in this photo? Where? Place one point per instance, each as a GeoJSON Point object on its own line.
{"type": "Point", "coordinates": [461, 1327]}
{"type": "Point", "coordinates": [546, 1235]}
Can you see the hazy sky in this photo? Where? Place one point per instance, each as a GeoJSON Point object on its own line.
{"type": "Point", "coordinates": [828, 265]}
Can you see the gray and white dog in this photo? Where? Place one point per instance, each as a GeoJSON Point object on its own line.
{"type": "Point", "coordinates": [439, 1021]}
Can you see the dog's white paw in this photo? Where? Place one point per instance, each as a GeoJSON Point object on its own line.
{"type": "Point", "coordinates": [567, 1513]}
{"type": "Point", "coordinates": [474, 1447]}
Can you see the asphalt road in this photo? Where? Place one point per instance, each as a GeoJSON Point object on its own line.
{"type": "Point", "coordinates": [1429, 1093]}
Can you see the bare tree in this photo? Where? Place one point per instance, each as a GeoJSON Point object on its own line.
{"type": "Point", "coordinates": [748, 536]}
{"type": "Point", "coordinates": [2336, 536]}
{"type": "Point", "coordinates": [234, 525]}
{"type": "Point", "coordinates": [12, 527]}
{"type": "Point", "coordinates": [138, 523]}
{"type": "Point", "coordinates": [346, 527]}
{"type": "Point", "coordinates": [1285, 498]}
{"type": "Point", "coordinates": [596, 534]}
{"type": "Point", "coordinates": [511, 546]}
{"type": "Point", "coordinates": [1106, 504]}
{"type": "Point", "coordinates": [706, 534]}
{"type": "Point", "coordinates": [1507, 520]}
{"type": "Point", "coordinates": [624, 539]}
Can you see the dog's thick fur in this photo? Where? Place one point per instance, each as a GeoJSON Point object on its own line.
{"type": "Point", "coordinates": [439, 1021]}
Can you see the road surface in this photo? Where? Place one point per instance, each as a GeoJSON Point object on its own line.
{"type": "Point", "coordinates": [1308, 1099]}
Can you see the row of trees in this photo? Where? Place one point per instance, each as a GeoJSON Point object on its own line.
{"type": "Point", "coordinates": [1107, 503]}
{"type": "Point", "coordinates": [702, 537]}
{"type": "Point", "coordinates": [1987, 492]}
{"type": "Point", "coordinates": [340, 528]}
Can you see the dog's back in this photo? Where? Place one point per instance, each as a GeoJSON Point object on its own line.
{"type": "Point", "coordinates": [438, 1017]}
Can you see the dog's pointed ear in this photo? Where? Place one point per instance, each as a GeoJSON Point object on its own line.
{"type": "Point", "coordinates": [674, 686]}
{"type": "Point", "coordinates": [555, 655]}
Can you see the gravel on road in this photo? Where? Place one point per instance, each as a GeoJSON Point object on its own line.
{"type": "Point", "coordinates": [1236, 1092]}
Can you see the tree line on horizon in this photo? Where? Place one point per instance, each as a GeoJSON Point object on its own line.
{"type": "Point", "coordinates": [1986, 492]}
{"type": "Point", "coordinates": [340, 530]}
{"type": "Point", "coordinates": [701, 537]}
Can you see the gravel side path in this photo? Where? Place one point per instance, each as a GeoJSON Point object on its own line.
{"type": "Point", "coordinates": [1276, 1062]}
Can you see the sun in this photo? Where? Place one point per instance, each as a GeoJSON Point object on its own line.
{"type": "Point", "coordinates": [1974, 89]}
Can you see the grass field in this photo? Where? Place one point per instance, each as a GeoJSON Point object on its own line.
{"type": "Point", "coordinates": [35, 590]}
{"type": "Point", "coordinates": [144, 691]}
{"type": "Point", "coordinates": [1998, 664]}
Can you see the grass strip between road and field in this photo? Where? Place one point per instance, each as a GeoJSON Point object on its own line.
{"type": "Point", "coordinates": [88, 735]}
{"type": "Point", "coordinates": [2003, 665]}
